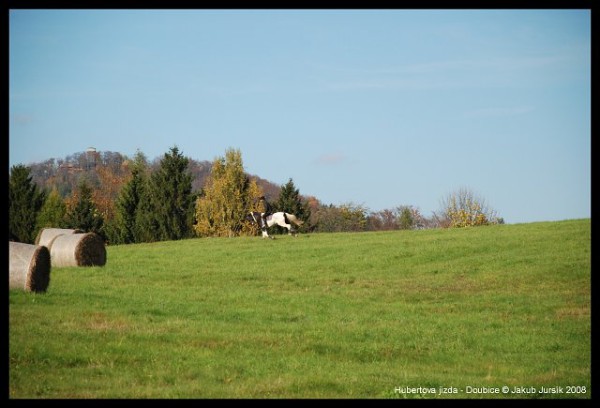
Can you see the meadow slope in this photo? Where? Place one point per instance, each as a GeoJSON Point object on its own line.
{"type": "Point", "coordinates": [400, 314]}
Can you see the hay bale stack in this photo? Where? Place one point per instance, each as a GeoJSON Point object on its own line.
{"type": "Point", "coordinates": [29, 267]}
{"type": "Point", "coordinates": [46, 235]}
{"type": "Point", "coordinates": [78, 250]}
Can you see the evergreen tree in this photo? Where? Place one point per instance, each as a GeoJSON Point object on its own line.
{"type": "Point", "coordinates": [128, 204]}
{"type": "Point", "coordinates": [53, 212]}
{"type": "Point", "coordinates": [25, 200]}
{"type": "Point", "coordinates": [290, 201]}
{"type": "Point", "coordinates": [228, 196]}
{"type": "Point", "coordinates": [83, 214]}
{"type": "Point", "coordinates": [166, 212]}
{"type": "Point", "coordinates": [405, 218]}
{"type": "Point", "coordinates": [146, 222]}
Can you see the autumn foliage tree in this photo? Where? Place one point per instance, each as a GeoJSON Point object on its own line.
{"type": "Point", "coordinates": [105, 196]}
{"type": "Point", "coordinates": [463, 208]}
{"type": "Point", "coordinates": [348, 217]}
{"type": "Point", "coordinates": [229, 194]}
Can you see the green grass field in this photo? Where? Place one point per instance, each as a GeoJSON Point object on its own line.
{"type": "Point", "coordinates": [349, 315]}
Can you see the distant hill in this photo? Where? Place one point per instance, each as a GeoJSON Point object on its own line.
{"type": "Point", "coordinates": [64, 174]}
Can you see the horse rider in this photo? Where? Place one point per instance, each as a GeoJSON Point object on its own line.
{"type": "Point", "coordinates": [268, 210]}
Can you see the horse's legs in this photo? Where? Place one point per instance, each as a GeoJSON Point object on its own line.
{"type": "Point", "coordinates": [290, 229]}
{"type": "Point", "coordinates": [284, 225]}
{"type": "Point", "coordinates": [263, 227]}
{"type": "Point", "coordinates": [265, 234]}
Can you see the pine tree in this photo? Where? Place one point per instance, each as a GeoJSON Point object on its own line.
{"type": "Point", "coordinates": [166, 212]}
{"type": "Point", "coordinates": [83, 214]}
{"type": "Point", "coordinates": [228, 196]}
{"type": "Point", "coordinates": [128, 204]}
{"type": "Point", "coordinates": [290, 201]}
{"type": "Point", "coordinates": [53, 212]}
{"type": "Point", "coordinates": [25, 201]}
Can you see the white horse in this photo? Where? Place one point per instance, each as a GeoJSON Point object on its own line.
{"type": "Point", "coordinates": [282, 219]}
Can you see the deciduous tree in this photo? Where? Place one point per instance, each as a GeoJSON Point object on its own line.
{"type": "Point", "coordinates": [229, 194]}
{"type": "Point", "coordinates": [463, 208]}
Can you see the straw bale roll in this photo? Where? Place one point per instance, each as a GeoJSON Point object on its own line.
{"type": "Point", "coordinates": [85, 249]}
{"type": "Point", "coordinates": [29, 267]}
{"type": "Point", "coordinates": [46, 235]}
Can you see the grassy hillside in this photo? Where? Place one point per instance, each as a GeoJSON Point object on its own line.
{"type": "Point", "coordinates": [364, 315]}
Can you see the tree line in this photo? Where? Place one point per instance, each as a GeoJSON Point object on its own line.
{"type": "Point", "coordinates": [132, 200]}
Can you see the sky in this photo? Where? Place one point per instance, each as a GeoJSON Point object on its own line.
{"type": "Point", "coordinates": [378, 108]}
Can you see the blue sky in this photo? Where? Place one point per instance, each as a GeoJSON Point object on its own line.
{"type": "Point", "coordinates": [375, 107]}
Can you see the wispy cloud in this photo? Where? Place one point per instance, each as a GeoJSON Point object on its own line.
{"type": "Point", "coordinates": [21, 119]}
{"type": "Point", "coordinates": [330, 159]}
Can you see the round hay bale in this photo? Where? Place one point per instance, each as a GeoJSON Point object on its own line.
{"type": "Point", "coordinates": [78, 250]}
{"type": "Point", "coordinates": [46, 235]}
{"type": "Point", "coordinates": [29, 267]}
